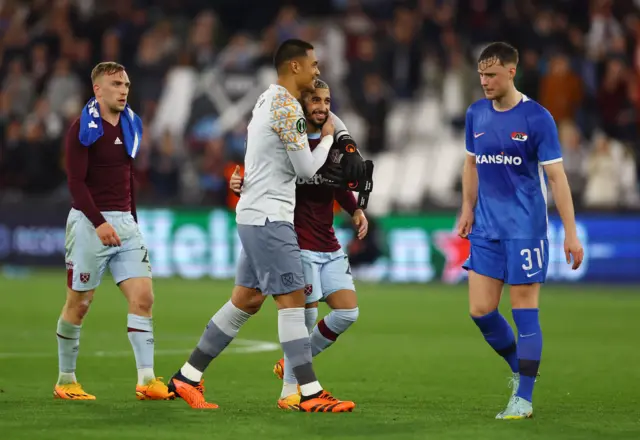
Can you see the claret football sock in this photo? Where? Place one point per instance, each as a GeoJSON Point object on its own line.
{"type": "Point", "coordinates": [323, 335]}
{"type": "Point", "coordinates": [294, 338]}
{"type": "Point", "coordinates": [499, 334]}
{"type": "Point", "coordinates": [529, 349]}
{"type": "Point", "coordinates": [326, 332]}
{"type": "Point", "coordinates": [218, 334]}
{"type": "Point", "coordinates": [140, 331]}
{"type": "Point", "coordinates": [68, 344]}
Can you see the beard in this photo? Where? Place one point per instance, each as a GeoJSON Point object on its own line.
{"type": "Point", "coordinates": [312, 121]}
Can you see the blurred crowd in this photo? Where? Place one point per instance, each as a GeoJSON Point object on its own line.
{"type": "Point", "coordinates": [579, 58]}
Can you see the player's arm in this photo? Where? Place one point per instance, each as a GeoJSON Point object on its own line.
{"type": "Point", "coordinates": [346, 200]}
{"type": "Point", "coordinates": [341, 128]}
{"type": "Point", "coordinates": [469, 183]}
{"type": "Point", "coordinates": [469, 171]}
{"type": "Point", "coordinates": [562, 196]}
{"type": "Point", "coordinates": [77, 164]}
{"type": "Point", "coordinates": [469, 180]}
{"type": "Point", "coordinates": [305, 162]}
{"type": "Point", "coordinates": [352, 163]}
{"type": "Point", "coordinates": [550, 157]}
{"type": "Point", "coordinates": [291, 128]}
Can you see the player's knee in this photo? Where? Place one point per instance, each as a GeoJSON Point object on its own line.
{"type": "Point", "coordinates": [481, 304]}
{"type": "Point", "coordinates": [344, 318]}
{"type": "Point", "coordinates": [142, 302]}
{"type": "Point", "coordinates": [345, 299]}
{"type": "Point", "coordinates": [77, 306]}
{"type": "Point", "coordinates": [81, 309]}
{"type": "Point", "coordinates": [139, 294]}
{"type": "Point", "coordinates": [478, 310]}
{"type": "Point", "coordinates": [248, 300]}
{"type": "Point", "coordinates": [525, 296]}
{"type": "Point", "coordinates": [253, 304]}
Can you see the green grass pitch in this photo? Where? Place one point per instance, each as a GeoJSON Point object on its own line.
{"type": "Point", "coordinates": [414, 363]}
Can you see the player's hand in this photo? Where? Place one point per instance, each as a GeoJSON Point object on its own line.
{"type": "Point", "coordinates": [573, 248]}
{"type": "Point", "coordinates": [235, 182]}
{"type": "Point", "coordinates": [465, 222]}
{"type": "Point", "coordinates": [108, 235]}
{"type": "Point", "coordinates": [328, 128]}
{"type": "Point", "coordinates": [361, 223]}
{"type": "Point", "coordinates": [352, 163]}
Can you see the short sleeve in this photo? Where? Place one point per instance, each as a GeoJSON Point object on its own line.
{"type": "Point", "coordinates": [547, 143]}
{"type": "Point", "coordinates": [468, 126]}
{"type": "Point", "coordinates": [288, 121]}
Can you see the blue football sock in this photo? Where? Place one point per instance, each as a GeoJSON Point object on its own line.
{"type": "Point", "coordinates": [498, 333]}
{"type": "Point", "coordinates": [529, 349]}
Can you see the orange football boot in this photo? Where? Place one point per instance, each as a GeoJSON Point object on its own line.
{"type": "Point", "coordinates": [192, 394]}
{"type": "Point", "coordinates": [155, 389]}
{"type": "Point", "coordinates": [325, 402]}
{"type": "Point", "coordinates": [278, 369]}
{"type": "Point", "coordinates": [290, 403]}
{"type": "Point", "coordinates": [71, 391]}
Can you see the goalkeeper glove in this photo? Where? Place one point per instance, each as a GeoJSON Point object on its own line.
{"type": "Point", "coordinates": [333, 177]}
{"type": "Point", "coordinates": [353, 166]}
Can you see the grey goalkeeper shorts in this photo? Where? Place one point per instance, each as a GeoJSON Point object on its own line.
{"type": "Point", "coordinates": [270, 258]}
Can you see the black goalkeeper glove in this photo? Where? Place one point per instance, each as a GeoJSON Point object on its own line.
{"type": "Point", "coordinates": [334, 177]}
{"type": "Point", "coordinates": [352, 164]}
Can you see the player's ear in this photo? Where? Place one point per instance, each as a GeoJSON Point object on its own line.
{"type": "Point", "coordinates": [295, 66]}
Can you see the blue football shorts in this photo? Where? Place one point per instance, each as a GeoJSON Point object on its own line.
{"type": "Point", "coordinates": [517, 261]}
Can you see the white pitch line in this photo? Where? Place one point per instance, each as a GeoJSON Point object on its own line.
{"type": "Point", "coordinates": [239, 346]}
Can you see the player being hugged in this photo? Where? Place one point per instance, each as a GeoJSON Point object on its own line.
{"type": "Point", "coordinates": [327, 274]}
{"type": "Point", "coordinates": [102, 230]}
{"type": "Point", "coordinates": [277, 154]}
{"type": "Point", "coordinates": [513, 149]}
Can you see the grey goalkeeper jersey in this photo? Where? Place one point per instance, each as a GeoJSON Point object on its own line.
{"type": "Point", "coordinates": [276, 139]}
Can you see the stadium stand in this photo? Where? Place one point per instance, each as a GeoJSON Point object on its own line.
{"type": "Point", "coordinates": [402, 75]}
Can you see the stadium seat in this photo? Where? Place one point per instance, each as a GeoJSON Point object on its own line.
{"type": "Point", "coordinates": [386, 190]}
{"type": "Point", "coordinates": [175, 102]}
{"type": "Point", "coordinates": [412, 176]}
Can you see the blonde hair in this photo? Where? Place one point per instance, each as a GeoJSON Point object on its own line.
{"type": "Point", "coordinates": [105, 68]}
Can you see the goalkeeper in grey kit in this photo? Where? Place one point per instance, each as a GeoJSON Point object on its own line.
{"type": "Point", "coordinates": [327, 274]}
{"type": "Point", "coordinates": [277, 154]}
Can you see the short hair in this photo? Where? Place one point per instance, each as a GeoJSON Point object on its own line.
{"type": "Point", "coordinates": [503, 52]}
{"type": "Point", "coordinates": [289, 50]}
{"type": "Point", "coordinates": [105, 68]}
{"type": "Point", "coordinates": [319, 84]}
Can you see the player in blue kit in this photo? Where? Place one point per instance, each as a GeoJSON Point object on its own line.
{"type": "Point", "coordinates": [513, 149]}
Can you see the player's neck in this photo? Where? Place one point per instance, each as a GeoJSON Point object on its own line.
{"type": "Point", "coordinates": [108, 115]}
{"type": "Point", "coordinates": [508, 101]}
{"type": "Point", "coordinates": [289, 83]}
{"type": "Point", "coordinates": [111, 118]}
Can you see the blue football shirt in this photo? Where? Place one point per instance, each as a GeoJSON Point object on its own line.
{"type": "Point", "coordinates": [510, 149]}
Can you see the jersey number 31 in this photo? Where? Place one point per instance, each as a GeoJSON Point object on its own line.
{"type": "Point", "coordinates": [526, 253]}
